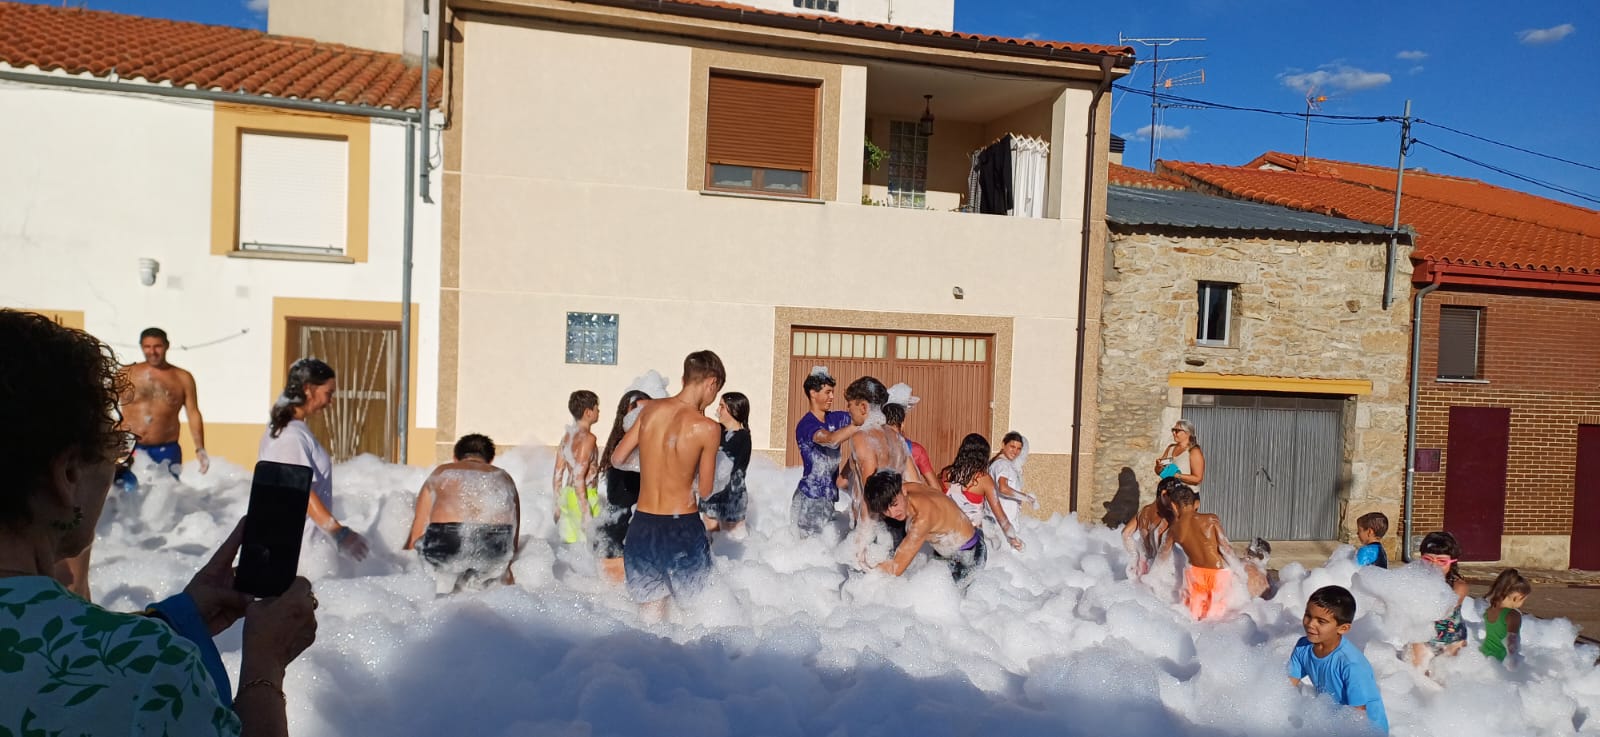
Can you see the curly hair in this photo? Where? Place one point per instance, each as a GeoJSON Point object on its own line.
{"type": "Point", "coordinates": [971, 460]}
{"type": "Point", "coordinates": [58, 394]}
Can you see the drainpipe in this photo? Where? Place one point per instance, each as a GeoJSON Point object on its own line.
{"type": "Point", "coordinates": [405, 292]}
{"type": "Point", "coordinates": [1411, 410]}
{"type": "Point", "coordinates": [1106, 64]}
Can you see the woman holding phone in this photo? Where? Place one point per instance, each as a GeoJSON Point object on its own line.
{"type": "Point", "coordinates": [308, 391]}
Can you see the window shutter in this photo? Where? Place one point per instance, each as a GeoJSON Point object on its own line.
{"type": "Point", "coordinates": [293, 191]}
{"type": "Point", "coordinates": [762, 123]}
{"type": "Point", "coordinates": [1458, 342]}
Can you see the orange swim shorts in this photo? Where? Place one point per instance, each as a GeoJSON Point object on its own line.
{"type": "Point", "coordinates": [1206, 590]}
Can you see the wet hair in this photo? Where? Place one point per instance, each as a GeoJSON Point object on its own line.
{"type": "Point", "coordinates": [1259, 549]}
{"type": "Point", "coordinates": [971, 460]}
{"type": "Point", "coordinates": [58, 394]}
{"type": "Point", "coordinates": [894, 415]}
{"type": "Point", "coordinates": [1188, 427]}
{"type": "Point", "coordinates": [1510, 581]}
{"type": "Point", "coordinates": [475, 445]}
{"type": "Point", "coordinates": [1164, 505]}
{"type": "Point", "coordinates": [1376, 522]}
{"type": "Point", "coordinates": [1337, 600]}
{"type": "Point", "coordinates": [582, 401]}
{"type": "Point", "coordinates": [738, 406]}
{"type": "Point", "coordinates": [154, 333]}
{"type": "Point", "coordinates": [869, 390]}
{"type": "Point", "coordinates": [816, 381]}
{"type": "Point", "coordinates": [881, 489]}
{"type": "Point", "coordinates": [304, 374]}
{"type": "Point", "coordinates": [1181, 494]}
{"type": "Point", "coordinates": [632, 397]}
{"type": "Point", "coordinates": [1443, 543]}
{"type": "Point", "coordinates": [700, 365]}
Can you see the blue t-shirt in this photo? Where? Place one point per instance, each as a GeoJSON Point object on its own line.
{"type": "Point", "coordinates": [1345, 675]}
{"type": "Point", "coordinates": [821, 462]}
{"type": "Point", "coordinates": [1372, 554]}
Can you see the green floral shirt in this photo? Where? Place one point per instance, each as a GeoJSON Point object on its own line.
{"type": "Point", "coordinates": [69, 668]}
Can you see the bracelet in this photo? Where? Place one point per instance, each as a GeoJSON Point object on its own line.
{"type": "Point", "coordinates": [263, 682]}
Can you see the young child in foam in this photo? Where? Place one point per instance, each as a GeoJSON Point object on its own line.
{"type": "Point", "coordinates": [1440, 550]}
{"type": "Point", "coordinates": [1147, 536]}
{"type": "Point", "coordinates": [575, 479]}
{"type": "Point", "coordinates": [468, 520]}
{"type": "Point", "coordinates": [972, 489]}
{"type": "Point", "coordinates": [725, 510]}
{"type": "Point", "coordinates": [1502, 623]}
{"type": "Point", "coordinates": [929, 517]}
{"type": "Point", "coordinates": [1255, 569]}
{"type": "Point", "coordinates": [1370, 529]}
{"type": "Point", "coordinates": [1336, 667]}
{"type": "Point", "coordinates": [1207, 578]}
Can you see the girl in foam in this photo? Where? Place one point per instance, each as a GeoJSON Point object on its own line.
{"type": "Point", "coordinates": [1006, 469]}
{"type": "Point", "coordinates": [1440, 550]}
{"type": "Point", "coordinates": [967, 484]}
{"type": "Point", "coordinates": [308, 391]}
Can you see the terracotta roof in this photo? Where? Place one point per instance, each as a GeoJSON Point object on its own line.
{"type": "Point", "coordinates": [844, 23]}
{"type": "Point", "coordinates": [205, 57]}
{"type": "Point", "coordinates": [1128, 176]}
{"type": "Point", "coordinates": [1463, 230]}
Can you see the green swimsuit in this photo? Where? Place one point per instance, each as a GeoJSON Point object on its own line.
{"type": "Point", "coordinates": [1494, 637]}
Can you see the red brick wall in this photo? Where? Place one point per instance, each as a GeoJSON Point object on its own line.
{"type": "Point", "coordinates": [1541, 358]}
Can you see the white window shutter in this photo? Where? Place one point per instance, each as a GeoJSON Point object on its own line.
{"type": "Point", "coordinates": [293, 193]}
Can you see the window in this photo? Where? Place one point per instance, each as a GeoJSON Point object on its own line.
{"type": "Point", "coordinates": [1216, 313]}
{"type": "Point", "coordinates": [292, 193]}
{"type": "Point", "coordinates": [839, 345]}
{"type": "Point", "coordinates": [592, 338]}
{"type": "Point", "coordinates": [908, 165]}
{"type": "Point", "coordinates": [761, 135]}
{"type": "Point", "coordinates": [1460, 335]}
{"type": "Point", "coordinates": [832, 6]}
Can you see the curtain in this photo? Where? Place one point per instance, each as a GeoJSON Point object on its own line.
{"type": "Point", "coordinates": [1030, 176]}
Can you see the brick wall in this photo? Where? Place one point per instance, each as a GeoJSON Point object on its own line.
{"type": "Point", "coordinates": [1540, 357]}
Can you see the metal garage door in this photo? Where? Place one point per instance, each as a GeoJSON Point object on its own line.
{"type": "Point", "coordinates": [952, 374]}
{"type": "Point", "coordinates": [1273, 463]}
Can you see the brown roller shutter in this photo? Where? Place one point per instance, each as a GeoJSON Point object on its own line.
{"type": "Point", "coordinates": [763, 123]}
{"type": "Point", "coordinates": [1458, 342]}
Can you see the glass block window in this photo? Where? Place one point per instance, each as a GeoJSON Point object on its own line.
{"type": "Point", "coordinates": [592, 338]}
{"type": "Point", "coordinates": [832, 6]}
{"type": "Point", "coordinates": [908, 165]}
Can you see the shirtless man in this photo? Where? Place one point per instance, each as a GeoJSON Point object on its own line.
{"type": "Point", "coordinates": [667, 552]}
{"type": "Point", "coordinates": [875, 445]}
{"type": "Point", "coordinates": [1207, 578]}
{"type": "Point", "coordinates": [930, 517]}
{"type": "Point", "coordinates": [156, 390]}
{"type": "Point", "coordinates": [576, 477]}
{"type": "Point", "coordinates": [468, 523]}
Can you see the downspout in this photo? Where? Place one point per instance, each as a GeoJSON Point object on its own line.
{"type": "Point", "coordinates": [405, 294]}
{"type": "Point", "coordinates": [1106, 64]}
{"type": "Point", "coordinates": [1411, 410]}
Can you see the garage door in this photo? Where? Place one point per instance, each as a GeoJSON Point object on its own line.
{"type": "Point", "coordinates": [1272, 463]}
{"type": "Point", "coordinates": [953, 375]}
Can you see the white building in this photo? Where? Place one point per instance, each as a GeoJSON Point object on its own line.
{"type": "Point", "coordinates": [251, 232]}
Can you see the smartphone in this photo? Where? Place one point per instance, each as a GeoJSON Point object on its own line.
{"type": "Point", "coordinates": [269, 556]}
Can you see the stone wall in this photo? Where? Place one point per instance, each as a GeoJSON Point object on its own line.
{"type": "Point", "coordinates": [1305, 309]}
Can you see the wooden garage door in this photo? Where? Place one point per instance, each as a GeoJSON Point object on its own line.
{"type": "Point", "coordinates": [953, 375]}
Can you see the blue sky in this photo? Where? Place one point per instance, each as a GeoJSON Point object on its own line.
{"type": "Point", "coordinates": [1525, 73]}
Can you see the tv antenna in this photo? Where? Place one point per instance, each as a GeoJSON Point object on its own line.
{"type": "Point", "coordinates": [1313, 102]}
{"type": "Point", "coordinates": [1158, 82]}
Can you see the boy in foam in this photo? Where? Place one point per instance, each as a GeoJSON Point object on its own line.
{"type": "Point", "coordinates": [875, 445]}
{"type": "Point", "coordinates": [1370, 529]}
{"type": "Point", "coordinates": [1335, 666]}
{"type": "Point", "coordinates": [929, 517]}
{"type": "Point", "coordinates": [576, 477]}
{"type": "Point", "coordinates": [818, 435]}
{"type": "Point", "coordinates": [1207, 577]}
{"type": "Point", "coordinates": [468, 521]}
{"type": "Point", "coordinates": [667, 552]}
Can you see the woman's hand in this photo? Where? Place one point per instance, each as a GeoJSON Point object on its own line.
{"type": "Point", "coordinates": [277, 630]}
{"type": "Point", "coordinates": [351, 543]}
{"type": "Point", "coordinates": [212, 587]}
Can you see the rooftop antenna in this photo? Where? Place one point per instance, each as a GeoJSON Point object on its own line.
{"type": "Point", "coordinates": [1157, 82]}
{"type": "Point", "coordinates": [1313, 102]}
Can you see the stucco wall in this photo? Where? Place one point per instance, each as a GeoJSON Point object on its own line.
{"type": "Point", "coordinates": [915, 13]}
{"type": "Point", "coordinates": [96, 181]}
{"type": "Point", "coordinates": [1309, 310]}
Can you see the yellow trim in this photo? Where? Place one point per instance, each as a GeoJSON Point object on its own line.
{"type": "Point", "coordinates": [1290, 384]}
{"type": "Point", "coordinates": [228, 121]}
{"type": "Point", "coordinates": [284, 308]}
{"type": "Point", "coordinates": [65, 318]}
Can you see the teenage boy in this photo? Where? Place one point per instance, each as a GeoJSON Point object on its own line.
{"type": "Point", "coordinates": [1335, 666]}
{"type": "Point", "coordinates": [818, 435]}
{"type": "Point", "coordinates": [467, 518]}
{"type": "Point", "coordinates": [929, 517]}
{"type": "Point", "coordinates": [1370, 529]}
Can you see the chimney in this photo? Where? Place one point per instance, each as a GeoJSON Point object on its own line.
{"type": "Point", "coordinates": [1118, 143]}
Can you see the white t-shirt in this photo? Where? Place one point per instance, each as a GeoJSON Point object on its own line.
{"type": "Point", "coordinates": [298, 446]}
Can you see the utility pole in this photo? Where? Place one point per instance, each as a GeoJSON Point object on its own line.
{"type": "Point", "coordinates": [1157, 82]}
{"type": "Point", "coordinates": [1394, 225]}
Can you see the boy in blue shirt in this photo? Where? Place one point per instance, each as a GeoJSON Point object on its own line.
{"type": "Point", "coordinates": [1370, 529]}
{"type": "Point", "coordinates": [1335, 666]}
{"type": "Point", "coordinates": [818, 435]}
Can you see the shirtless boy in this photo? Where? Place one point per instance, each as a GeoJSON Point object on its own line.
{"type": "Point", "coordinates": [155, 391]}
{"type": "Point", "coordinates": [668, 553]}
{"type": "Point", "coordinates": [930, 517]}
{"type": "Point", "coordinates": [576, 478]}
{"type": "Point", "coordinates": [468, 522]}
{"type": "Point", "coordinates": [1200, 535]}
{"type": "Point", "coordinates": [875, 444]}
{"type": "Point", "coordinates": [1147, 536]}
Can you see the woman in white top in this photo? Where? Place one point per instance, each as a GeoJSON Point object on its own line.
{"type": "Point", "coordinates": [1184, 452]}
{"type": "Point", "coordinates": [1006, 469]}
{"type": "Point", "coordinates": [309, 390]}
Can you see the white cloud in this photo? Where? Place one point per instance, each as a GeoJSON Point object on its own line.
{"type": "Point", "coordinates": [1412, 55]}
{"type": "Point", "coordinates": [1335, 78]}
{"type": "Point", "coordinates": [1031, 36]}
{"type": "Point", "coordinates": [1538, 36]}
{"type": "Point", "coordinates": [1417, 69]}
{"type": "Point", "coordinates": [256, 6]}
{"type": "Point", "coordinates": [1163, 132]}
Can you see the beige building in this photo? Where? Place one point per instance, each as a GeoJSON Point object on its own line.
{"type": "Point", "coordinates": [624, 186]}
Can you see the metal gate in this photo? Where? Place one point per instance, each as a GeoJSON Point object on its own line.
{"type": "Point", "coordinates": [364, 415]}
{"type": "Point", "coordinates": [1273, 463]}
{"type": "Point", "coordinates": [951, 374]}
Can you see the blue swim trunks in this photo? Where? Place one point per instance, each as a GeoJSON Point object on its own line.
{"type": "Point", "coordinates": [666, 555]}
{"type": "Point", "coordinates": [166, 455]}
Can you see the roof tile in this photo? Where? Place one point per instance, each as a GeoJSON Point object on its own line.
{"type": "Point", "coordinates": [1128, 176]}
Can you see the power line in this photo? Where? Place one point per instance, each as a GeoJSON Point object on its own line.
{"type": "Point", "coordinates": [1207, 104]}
{"type": "Point", "coordinates": [1507, 172]}
{"type": "Point", "coordinates": [1507, 145]}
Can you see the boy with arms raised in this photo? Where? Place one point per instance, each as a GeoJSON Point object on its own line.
{"type": "Point", "coordinates": [667, 552]}
{"type": "Point", "coordinates": [1207, 577]}
{"type": "Point", "coordinates": [1335, 666]}
{"type": "Point", "coordinates": [929, 517]}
